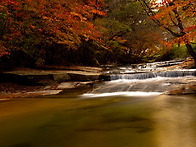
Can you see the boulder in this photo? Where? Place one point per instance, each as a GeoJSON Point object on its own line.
{"type": "Point", "coordinates": [67, 85]}
{"type": "Point", "coordinates": [61, 77]}
{"type": "Point", "coordinates": [44, 92]}
{"type": "Point", "coordinates": [71, 85]}
{"type": "Point", "coordinates": [83, 76]}
{"type": "Point", "coordinates": [34, 77]}
{"type": "Point", "coordinates": [188, 89]}
{"type": "Point", "coordinates": [45, 77]}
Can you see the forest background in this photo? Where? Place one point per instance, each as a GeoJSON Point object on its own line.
{"type": "Point", "coordinates": [95, 32]}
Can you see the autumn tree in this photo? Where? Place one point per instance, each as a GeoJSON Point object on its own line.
{"type": "Point", "coordinates": [177, 17]}
{"type": "Point", "coordinates": [37, 27]}
{"type": "Point", "coordinates": [129, 34]}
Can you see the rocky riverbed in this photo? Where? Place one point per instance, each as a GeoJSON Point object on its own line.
{"type": "Point", "coordinates": [184, 89]}
{"type": "Point", "coordinates": [33, 82]}
{"type": "Point", "coordinates": [24, 82]}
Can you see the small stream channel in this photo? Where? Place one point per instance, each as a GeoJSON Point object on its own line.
{"type": "Point", "coordinates": [123, 112]}
{"type": "Point", "coordinates": [143, 80]}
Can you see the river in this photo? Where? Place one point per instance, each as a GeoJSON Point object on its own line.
{"type": "Point", "coordinates": [132, 116]}
{"type": "Point", "coordinates": [155, 121]}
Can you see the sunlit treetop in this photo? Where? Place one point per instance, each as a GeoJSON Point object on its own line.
{"type": "Point", "coordinates": [37, 21]}
{"type": "Point", "coordinates": [177, 17]}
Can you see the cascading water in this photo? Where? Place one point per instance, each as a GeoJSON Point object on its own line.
{"type": "Point", "coordinates": [143, 80]}
{"type": "Point", "coordinates": [148, 75]}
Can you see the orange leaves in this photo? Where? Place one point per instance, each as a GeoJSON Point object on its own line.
{"type": "Point", "coordinates": [39, 26]}
{"type": "Point", "coordinates": [3, 50]}
{"type": "Point", "coordinates": [180, 40]}
{"type": "Point", "coordinates": [101, 13]}
{"type": "Point", "coordinates": [177, 17]}
{"type": "Point", "coordinates": [62, 20]}
{"type": "Point", "coordinates": [78, 16]}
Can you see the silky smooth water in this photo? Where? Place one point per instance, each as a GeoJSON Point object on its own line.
{"type": "Point", "coordinates": [129, 111]}
{"type": "Point", "coordinates": [110, 121]}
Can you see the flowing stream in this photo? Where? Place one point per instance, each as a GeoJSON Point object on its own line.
{"type": "Point", "coordinates": [143, 80]}
{"type": "Point", "coordinates": [123, 112]}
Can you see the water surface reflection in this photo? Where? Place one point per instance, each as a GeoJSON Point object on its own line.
{"type": "Point", "coordinates": [175, 122]}
{"type": "Point", "coordinates": [154, 121]}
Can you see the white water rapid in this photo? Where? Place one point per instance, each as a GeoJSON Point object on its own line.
{"type": "Point", "coordinates": [143, 80]}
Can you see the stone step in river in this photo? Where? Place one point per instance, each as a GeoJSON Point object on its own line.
{"type": "Point", "coordinates": [146, 80]}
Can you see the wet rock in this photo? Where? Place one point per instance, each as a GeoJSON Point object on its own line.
{"type": "Point", "coordinates": [4, 99]}
{"type": "Point", "coordinates": [67, 85]}
{"type": "Point", "coordinates": [45, 81]}
{"type": "Point", "coordinates": [187, 64]}
{"type": "Point", "coordinates": [90, 83]}
{"type": "Point", "coordinates": [105, 77]}
{"type": "Point", "coordinates": [83, 76]}
{"type": "Point", "coordinates": [44, 92]}
{"type": "Point", "coordinates": [39, 77]}
{"type": "Point", "coordinates": [61, 77]}
{"type": "Point", "coordinates": [27, 77]}
{"type": "Point", "coordinates": [8, 96]}
{"type": "Point", "coordinates": [71, 85]}
{"type": "Point", "coordinates": [188, 89]}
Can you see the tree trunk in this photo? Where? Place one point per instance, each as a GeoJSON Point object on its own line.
{"type": "Point", "coordinates": [191, 51]}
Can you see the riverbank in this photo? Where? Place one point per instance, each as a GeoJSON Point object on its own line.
{"type": "Point", "coordinates": [187, 89]}
{"type": "Point", "coordinates": [49, 80]}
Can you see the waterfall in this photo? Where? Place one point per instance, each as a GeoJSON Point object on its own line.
{"type": "Point", "coordinates": [181, 73]}
{"type": "Point", "coordinates": [143, 80]}
{"type": "Point", "coordinates": [140, 87]}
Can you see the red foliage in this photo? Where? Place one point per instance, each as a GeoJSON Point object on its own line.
{"type": "Point", "coordinates": [32, 22]}
{"type": "Point", "coordinates": [178, 17]}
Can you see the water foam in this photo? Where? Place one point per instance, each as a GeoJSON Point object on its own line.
{"type": "Point", "coordinates": [149, 75]}
{"type": "Point", "coordinates": [124, 93]}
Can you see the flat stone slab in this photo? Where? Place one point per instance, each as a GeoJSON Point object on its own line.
{"type": "Point", "coordinates": [8, 96]}
{"type": "Point", "coordinates": [187, 89]}
{"type": "Point", "coordinates": [72, 68]}
{"type": "Point", "coordinates": [83, 76]}
{"type": "Point", "coordinates": [67, 85]}
{"type": "Point", "coordinates": [70, 85]}
{"type": "Point", "coordinates": [42, 77]}
{"type": "Point", "coordinates": [4, 99]}
{"type": "Point", "coordinates": [45, 92]}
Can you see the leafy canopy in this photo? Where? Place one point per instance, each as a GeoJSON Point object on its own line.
{"type": "Point", "coordinates": [31, 25]}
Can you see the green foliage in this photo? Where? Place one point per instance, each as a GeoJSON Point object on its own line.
{"type": "Point", "coordinates": [79, 32]}
{"type": "Point", "coordinates": [129, 34]}
{"type": "Point", "coordinates": [178, 18]}
{"type": "Point", "coordinates": [179, 51]}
